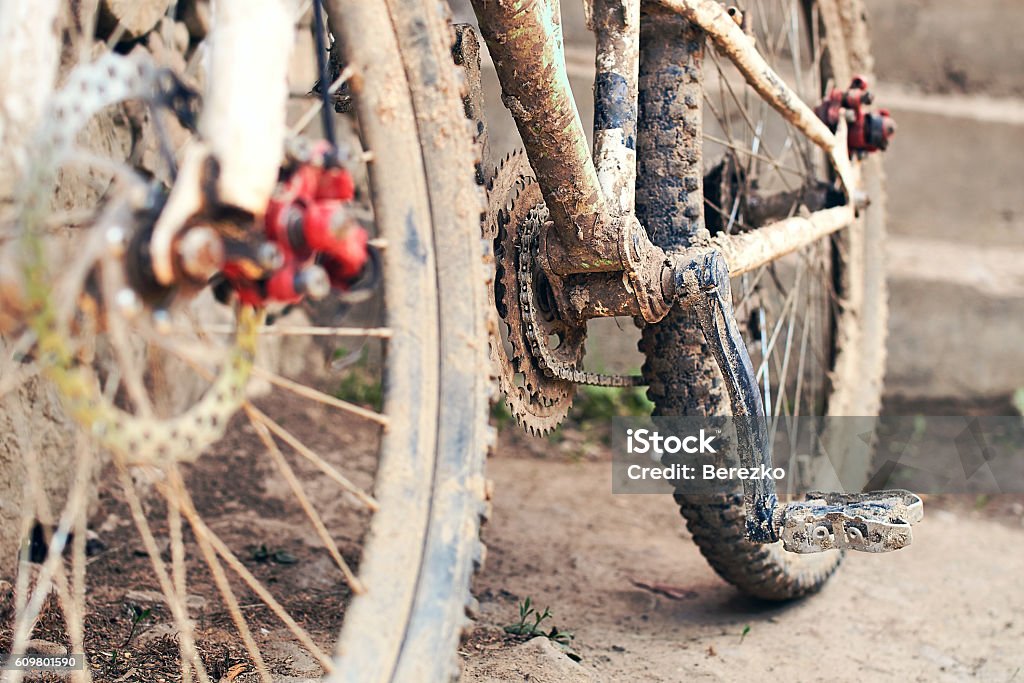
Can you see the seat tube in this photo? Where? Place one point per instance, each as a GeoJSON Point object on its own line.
{"type": "Point", "coordinates": [524, 38]}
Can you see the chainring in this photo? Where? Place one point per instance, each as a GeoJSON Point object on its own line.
{"type": "Point", "coordinates": [537, 398]}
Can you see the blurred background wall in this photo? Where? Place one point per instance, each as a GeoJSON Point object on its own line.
{"type": "Point", "coordinates": [956, 262]}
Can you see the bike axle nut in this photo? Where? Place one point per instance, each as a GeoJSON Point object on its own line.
{"type": "Point", "coordinates": [201, 252]}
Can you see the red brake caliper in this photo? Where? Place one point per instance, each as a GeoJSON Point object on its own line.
{"type": "Point", "coordinates": [321, 244]}
{"type": "Point", "coordinates": [866, 131]}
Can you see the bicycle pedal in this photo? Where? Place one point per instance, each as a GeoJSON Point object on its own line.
{"type": "Point", "coordinates": [873, 522]}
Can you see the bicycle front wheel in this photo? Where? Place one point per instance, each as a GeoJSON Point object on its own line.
{"type": "Point", "coordinates": [346, 494]}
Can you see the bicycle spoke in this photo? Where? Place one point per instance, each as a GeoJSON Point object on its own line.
{"type": "Point", "coordinates": [76, 619]}
{"type": "Point", "coordinates": [117, 330]}
{"type": "Point", "coordinates": [178, 571]}
{"type": "Point", "coordinates": [801, 365]}
{"type": "Point", "coordinates": [753, 128]}
{"type": "Point", "coordinates": [775, 176]}
{"type": "Point", "coordinates": [186, 641]}
{"type": "Point", "coordinates": [319, 396]}
{"type": "Point", "coordinates": [310, 455]}
{"type": "Point", "coordinates": [51, 573]}
{"type": "Point", "coordinates": [783, 384]}
{"type": "Point", "coordinates": [285, 435]}
{"type": "Point", "coordinates": [307, 331]}
{"type": "Point", "coordinates": [219, 577]}
{"type": "Point", "coordinates": [752, 154]}
{"type": "Point", "coordinates": [788, 304]}
{"type": "Point", "coordinates": [307, 506]}
{"type": "Point", "coordinates": [212, 541]}
{"type": "Point", "coordinates": [307, 117]}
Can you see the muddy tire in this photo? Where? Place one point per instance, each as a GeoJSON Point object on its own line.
{"type": "Point", "coordinates": [682, 374]}
{"type": "Point", "coordinates": [407, 625]}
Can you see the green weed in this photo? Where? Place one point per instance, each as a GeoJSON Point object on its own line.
{"type": "Point", "coordinates": [604, 403]}
{"type": "Point", "coordinates": [361, 384]}
{"type": "Point", "coordinates": [529, 626]}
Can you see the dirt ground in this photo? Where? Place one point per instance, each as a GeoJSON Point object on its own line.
{"type": "Point", "coordinates": [130, 635]}
{"type": "Point", "coordinates": [620, 572]}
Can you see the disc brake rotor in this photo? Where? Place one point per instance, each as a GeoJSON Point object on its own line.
{"type": "Point", "coordinates": [522, 296]}
{"type": "Point", "coordinates": [138, 437]}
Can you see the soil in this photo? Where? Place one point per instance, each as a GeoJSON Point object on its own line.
{"type": "Point", "coordinates": [621, 573]}
{"type": "Point", "coordinates": [617, 572]}
{"type": "Point", "coordinates": [130, 635]}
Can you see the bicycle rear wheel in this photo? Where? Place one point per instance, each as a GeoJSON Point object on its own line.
{"type": "Point", "coordinates": [814, 321]}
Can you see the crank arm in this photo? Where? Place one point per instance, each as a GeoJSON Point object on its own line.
{"type": "Point", "coordinates": [876, 521]}
{"type": "Point", "coordinates": [703, 284]}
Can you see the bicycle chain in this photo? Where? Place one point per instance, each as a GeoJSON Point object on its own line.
{"type": "Point", "coordinates": [546, 361]}
{"type": "Point", "coordinates": [536, 377]}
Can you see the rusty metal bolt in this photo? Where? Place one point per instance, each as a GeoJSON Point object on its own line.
{"type": "Point", "coordinates": [201, 252]}
{"type": "Point", "coordinates": [341, 221]}
{"type": "Point", "coordinates": [314, 282]}
{"type": "Point", "coordinates": [861, 199]}
{"type": "Point", "coordinates": [298, 150]}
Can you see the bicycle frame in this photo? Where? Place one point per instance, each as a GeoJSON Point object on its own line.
{"type": "Point", "coordinates": [594, 240]}
{"type": "Point", "coordinates": [590, 197]}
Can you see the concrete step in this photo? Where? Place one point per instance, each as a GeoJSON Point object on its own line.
{"type": "Point", "coordinates": [951, 176]}
{"type": "Point", "coordinates": [978, 107]}
{"type": "Point", "coordinates": [956, 319]}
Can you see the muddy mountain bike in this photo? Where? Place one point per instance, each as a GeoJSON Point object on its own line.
{"type": "Point", "coordinates": [258, 364]}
